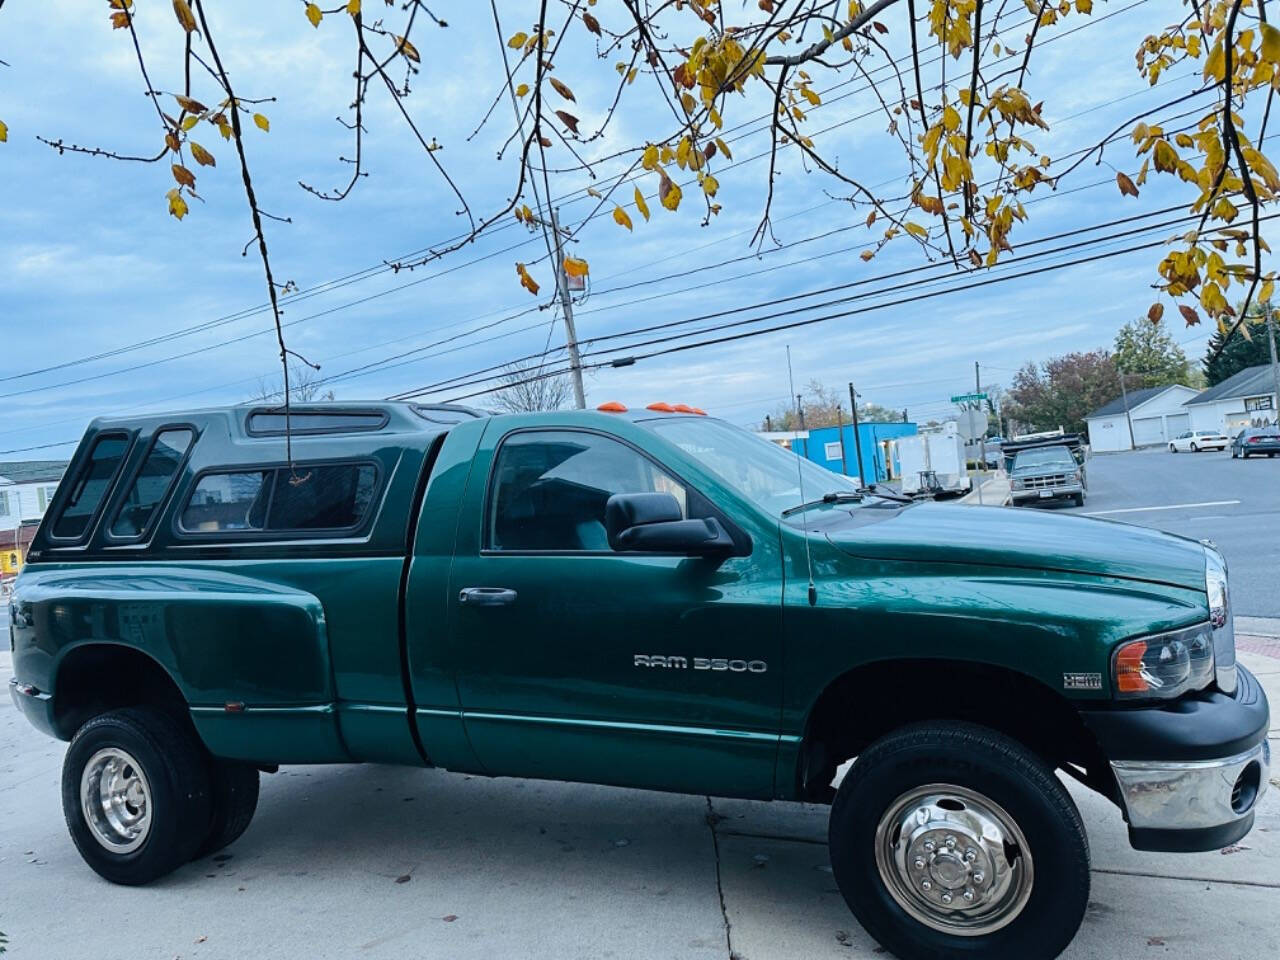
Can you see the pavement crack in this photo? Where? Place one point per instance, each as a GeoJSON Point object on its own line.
{"type": "Point", "coordinates": [1161, 876]}
{"type": "Point", "coordinates": [712, 819]}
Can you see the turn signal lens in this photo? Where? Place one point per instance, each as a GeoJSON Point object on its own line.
{"type": "Point", "coordinates": [1129, 677]}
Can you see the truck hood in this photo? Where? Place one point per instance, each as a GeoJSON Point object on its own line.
{"type": "Point", "coordinates": [1026, 539]}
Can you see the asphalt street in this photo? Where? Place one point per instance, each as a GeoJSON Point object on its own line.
{"type": "Point", "coordinates": [1235, 503]}
{"type": "Point", "coordinates": [387, 862]}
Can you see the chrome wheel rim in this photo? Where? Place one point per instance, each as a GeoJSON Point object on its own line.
{"type": "Point", "coordinates": [954, 860]}
{"type": "Point", "coordinates": [116, 800]}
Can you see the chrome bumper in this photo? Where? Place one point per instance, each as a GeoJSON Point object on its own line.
{"type": "Point", "coordinates": [1207, 796]}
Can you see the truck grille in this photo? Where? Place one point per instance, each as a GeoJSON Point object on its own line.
{"type": "Point", "coordinates": [1054, 480]}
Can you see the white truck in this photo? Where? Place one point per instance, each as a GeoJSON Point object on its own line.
{"type": "Point", "coordinates": [934, 463]}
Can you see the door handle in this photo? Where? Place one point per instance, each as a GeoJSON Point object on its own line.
{"type": "Point", "coordinates": [486, 596]}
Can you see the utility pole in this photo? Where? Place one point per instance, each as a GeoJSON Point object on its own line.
{"type": "Point", "coordinates": [1275, 367]}
{"type": "Point", "coordinates": [1124, 398]}
{"type": "Point", "coordinates": [566, 307]}
{"type": "Point", "coordinates": [844, 466]}
{"type": "Point", "coordinates": [857, 436]}
{"type": "Point", "coordinates": [982, 439]}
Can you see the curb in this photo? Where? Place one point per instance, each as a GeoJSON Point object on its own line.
{"type": "Point", "coordinates": [1258, 626]}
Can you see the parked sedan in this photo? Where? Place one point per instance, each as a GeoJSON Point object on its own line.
{"type": "Point", "coordinates": [1255, 441]}
{"type": "Point", "coordinates": [1193, 441]}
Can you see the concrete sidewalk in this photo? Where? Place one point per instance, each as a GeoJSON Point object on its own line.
{"type": "Point", "coordinates": [387, 862]}
{"type": "Point", "coordinates": [994, 492]}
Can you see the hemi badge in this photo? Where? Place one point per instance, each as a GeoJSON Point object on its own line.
{"type": "Point", "coordinates": [1082, 681]}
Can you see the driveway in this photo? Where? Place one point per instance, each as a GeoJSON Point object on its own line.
{"type": "Point", "coordinates": [385, 862]}
{"type": "Point", "coordinates": [1235, 503]}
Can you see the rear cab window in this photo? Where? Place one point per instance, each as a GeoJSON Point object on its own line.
{"type": "Point", "coordinates": [152, 483]}
{"type": "Point", "coordinates": [89, 489]}
{"type": "Point", "coordinates": [307, 499]}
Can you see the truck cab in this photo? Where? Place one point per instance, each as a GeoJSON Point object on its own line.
{"type": "Point", "coordinates": [646, 598]}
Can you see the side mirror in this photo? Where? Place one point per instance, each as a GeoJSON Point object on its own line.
{"type": "Point", "coordinates": [652, 523]}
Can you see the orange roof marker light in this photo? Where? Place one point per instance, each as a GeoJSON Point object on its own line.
{"type": "Point", "coordinates": [682, 408]}
{"type": "Point", "coordinates": [661, 407]}
{"type": "Point", "coordinates": [699, 411]}
{"type": "Point", "coordinates": [613, 406]}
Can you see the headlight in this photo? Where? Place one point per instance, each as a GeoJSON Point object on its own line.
{"type": "Point", "coordinates": [1224, 637]}
{"type": "Point", "coordinates": [1018, 484]}
{"type": "Point", "coordinates": [1165, 665]}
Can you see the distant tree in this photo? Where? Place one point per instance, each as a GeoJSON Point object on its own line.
{"type": "Point", "coordinates": [305, 385]}
{"type": "Point", "coordinates": [525, 390]}
{"type": "Point", "coordinates": [824, 407]}
{"type": "Point", "coordinates": [1063, 390]}
{"type": "Point", "coordinates": [1240, 352]}
{"type": "Point", "coordinates": [1149, 356]}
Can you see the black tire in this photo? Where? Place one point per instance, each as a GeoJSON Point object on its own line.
{"type": "Point", "coordinates": [1079, 499]}
{"type": "Point", "coordinates": [1172, 448]}
{"type": "Point", "coordinates": [233, 788]}
{"type": "Point", "coordinates": [997, 767]}
{"type": "Point", "coordinates": [1194, 448]}
{"type": "Point", "coordinates": [172, 762]}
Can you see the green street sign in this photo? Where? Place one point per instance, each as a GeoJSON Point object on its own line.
{"type": "Point", "coordinates": [969, 398]}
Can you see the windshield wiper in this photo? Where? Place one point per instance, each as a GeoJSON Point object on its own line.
{"type": "Point", "coordinates": [875, 491]}
{"type": "Point", "coordinates": [836, 496]}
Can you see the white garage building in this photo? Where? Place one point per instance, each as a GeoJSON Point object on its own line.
{"type": "Point", "coordinates": [1158, 415]}
{"type": "Point", "coordinates": [1245, 399]}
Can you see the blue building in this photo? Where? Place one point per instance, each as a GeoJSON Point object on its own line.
{"type": "Point", "coordinates": [822, 446]}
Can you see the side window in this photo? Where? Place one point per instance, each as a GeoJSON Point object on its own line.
{"type": "Point", "coordinates": [549, 489]}
{"type": "Point", "coordinates": [90, 487]}
{"type": "Point", "coordinates": [311, 498]}
{"type": "Point", "coordinates": [152, 482]}
{"type": "Point", "coordinates": [227, 501]}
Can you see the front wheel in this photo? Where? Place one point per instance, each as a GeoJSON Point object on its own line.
{"type": "Point", "coordinates": [952, 840]}
{"type": "Point", "coordinates": [1172, 448]}
{"type": "Point", "coordinates": [1194, 448]}
{"type": "Point", "coordinates": [135, 794]}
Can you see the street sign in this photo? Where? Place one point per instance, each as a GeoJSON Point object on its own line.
{"type": "Point", "coordinates": [972, 424]}
{"type": "Point", "coordinates": [968, 398]}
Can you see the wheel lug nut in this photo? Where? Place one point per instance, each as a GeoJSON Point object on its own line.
{"type": "Point", "coordinates": [930, 846]}
{"type": "Point", "coordinates": [978, 877]}
{"type": "Point", "coordinates": [968, 895]}
{"type": "Point", "coordinates": [951, 843]}
{"type": "Point", "coordinates": [919, 863]}
{"type": "Point", "coordinates": [926, 885]}
{"type": "Point", "coordinates": [946, 898]}
{"type": "Point", "coordinates": [971, 854]}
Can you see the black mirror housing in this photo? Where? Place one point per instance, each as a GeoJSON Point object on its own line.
{"type": "Point", "coordinates": [653, 523]}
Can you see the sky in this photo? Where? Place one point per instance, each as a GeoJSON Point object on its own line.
{"type": "Point", "coordinates": [91, 262]}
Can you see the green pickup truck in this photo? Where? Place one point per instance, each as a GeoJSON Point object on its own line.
{"type": "Point", "coordinates": [648, 598]}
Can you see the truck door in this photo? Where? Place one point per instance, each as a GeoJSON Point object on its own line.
{"type": "Point", "coordinates": [575, 662]}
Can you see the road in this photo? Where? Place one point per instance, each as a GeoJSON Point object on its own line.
{"type": "Point", "coordinates": [1235, 503]}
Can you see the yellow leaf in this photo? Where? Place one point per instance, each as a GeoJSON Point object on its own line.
{"type": "Point", "coordinates": [812, 97]}
{"type": "Point", "coordinates": [4, 132]}
{"type": "Point", "coordinates": [224, 128]}
{"type": "Point", "coordinates": [1268, 288]}
{"type": "Point", "coordinates": [669, 193]}
{"type": "Point", "coordinates": [353, 7]}
{"type": "Point", "coordinates": [522, 90]}
{"type": "Point", "coordinates": [182, 10]}
{"type": "Point", "coordinates": [189, 121]}
{"type": "Point", "coordinates": [950, 119]}
{"type": "Point", "coordinates": [261, 122]}
{"type": "Point", "coordinates": [573, 267]}
{"type": "Point", "coordinates": [682, 151]}
{"type": "Point", "coordinates": [620, 218]}
{"type": "Point", "coordinates": [184, 176]}
{"type": "Point", "coordinates": [177, 206]}
{"type": "Point", "coordinates": [203, 156]}
{"type": "Point", "coordinates": [408, 49]}
{"type": "Point", "coordinates": [1270, 50]}
{"type": "Point", "coordinates": [526, 213]}
{"type": "Point", "coordinates": [641, 205]}
{"type": "Point", "coordinates": [710, 185]}
{"type": "Point", "coordinates": [650, 158]}
{"type": "Point", "coordinates": [518, 40]}
{"type": "Point", "coordinates": [916, 230]}
{"type": "Point", "coordinates": [314, 14]}
{"type": "Point", "coordinates": [724, 149]}
{"type": "Point", "coordinates": [527, 281]}
{"type": "Point", "coordinates": [867, 254]}
{"type": "Point", "coordinates": [1216, 66]}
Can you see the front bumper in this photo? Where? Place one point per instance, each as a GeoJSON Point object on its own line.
{"type": "Point", "coordinates": [1189, 773]}
{"type": "Point", "coordinates": [1038, 494]}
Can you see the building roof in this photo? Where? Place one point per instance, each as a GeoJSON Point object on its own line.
{"type": "Point", "coordinates": [33, 471]}
{"type": "Point", "coordinates": [1136, 399]}
{"type": "Point", "coordinates": [1249, 382]}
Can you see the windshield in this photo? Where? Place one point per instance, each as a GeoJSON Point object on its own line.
{"type": "Point", "coordinates": [764, 472]}
{"type": "Point", "coordinates": [1043, 459]}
